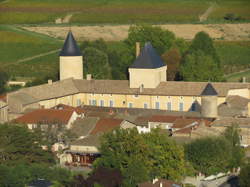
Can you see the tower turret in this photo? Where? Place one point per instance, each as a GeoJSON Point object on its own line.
{"type": "Point", "coordinates": [148, 70]}
{"type": "Point", "coordinates": [209, 97]}
{"type": "Point", "coordinates": [71, 59]}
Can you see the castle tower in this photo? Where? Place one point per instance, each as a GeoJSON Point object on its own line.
{"type": "Point", "coordinates": [209, 97]}
{"type": "Point", "coordinates": [71, 65]}
{"type": "Point", "coordinates": [148, 70]}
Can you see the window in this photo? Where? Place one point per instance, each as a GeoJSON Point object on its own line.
{"type": "Point", "coordinates": [193, 107]}
{"type": "Point", "coordinates": [111, 103]}
{"type": "Point", "coordinates": [169, 106]}
{"type": "Point", "coordinates": [157, 105]}
{"type": "Point", "coordinates": [145, 105]}
{"type": "Point", "coordinates": [130, 105]}
{"type": "Point", "coordinates": [94, 102]}
{"type": "Point", "coordinates": [78, 102]}
{"type": "Point", "coordinates": [181, 106]}
{"type": "Point", "coordinates": [101, 102]}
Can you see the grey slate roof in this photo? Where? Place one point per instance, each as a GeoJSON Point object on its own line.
{"type": "Point", "coordinates": [70, 47]}
{"type": "Point", "coordinates": [209, 90]}
{"type": "Point", "coordinates": [148, 59]}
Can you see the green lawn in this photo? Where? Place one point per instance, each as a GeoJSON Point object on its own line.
{"type": "Point", "coordinates": [118, 11]}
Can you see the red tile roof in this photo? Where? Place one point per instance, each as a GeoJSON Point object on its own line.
{"type": "Point", "coordinates": [78, 110]}
{"type": "Point", "coordinates": [45, 116]}
{"type": "Point", "coordinates": [163, 119]}
{"type": "Point", "coordinates": [3, 97]}
{"type": "Point", "coordinates": [105, 125]}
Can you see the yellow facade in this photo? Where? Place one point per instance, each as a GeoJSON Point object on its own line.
{"type": "Point", "coordinates": [129, 101]}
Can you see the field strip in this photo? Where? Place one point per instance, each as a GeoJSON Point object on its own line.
{"type": "Point", "coordinates": [205, 15]}
{"type": "Point", "coordinates": [32, 57]}
{"type": "Point", "coordinates": [228, 32]}
{"type": "Point", "coordinates": [37, 56]}
{"type": "Point", "coordinates": [235, 73]}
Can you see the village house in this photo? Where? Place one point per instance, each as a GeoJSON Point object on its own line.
{"type": "Point", "coordinates": [146, 88]}
{"type": "Point", "coordinates": [48, 118]}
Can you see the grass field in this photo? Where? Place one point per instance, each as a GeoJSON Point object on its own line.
{"type": "Point", "coordinates": [235, 56]}
{"type": "Point", "coordinates": [16, 44]}
{"type": "Point", "coordinates": [237, 77]}
{"type": "Point", "coordinates": [119, 11]}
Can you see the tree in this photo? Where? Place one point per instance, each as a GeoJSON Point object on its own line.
{"type": "Point", "coordinates": [96, 63]}
{"type": "Point", "coordinates": [172, 58]}
{"type": "Point", "coordinates": [141, 157]}
{"type": "Point", "coordinates": [203, 42]}
{"type": "Point", "coordinates": [237, 153]}
{"type": "Point", "coordinates": [165, 156]}
{"type": "Point", "coordinates": [19, 145]}
{"type": "Point", "coordinates": [209, 155]}
{"type": "Point", "coordinates": [244, 176]}
{"type": "Point", "coordinates": [3, 80]}
{"type": "Point", "coordinates": [200, 67]}
{"type": "Point", "coordinates": [161, 39]}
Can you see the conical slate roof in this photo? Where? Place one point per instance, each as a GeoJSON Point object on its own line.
{"type": "Point", "coordinates": [209, 90]}
{"type": "Point", "coordinates": [70, 47]}
{"type": "Point", "coordinates": [148, 59]}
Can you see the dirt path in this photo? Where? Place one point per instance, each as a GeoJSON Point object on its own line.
{"type": "Point", "coordinates": [230, 32]}
{"type": "Point", "coordinates": [205, 15]}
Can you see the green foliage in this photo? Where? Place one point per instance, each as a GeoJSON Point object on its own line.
{"type": "Point", "coordinates": [141, 157]}
{"type": "Point", "coordinates": [237, 153]}
{"type": "Point", "coordinates": [3, 80]}
{"type": "Point", "coordinates": [23, 174]}
{"type": "Point", "coordinates": [19, 145]}
{"type": "Point", "coordinates": [200, 67]}
{"type": "Point", "coordinates": [161, 39]}
{"type": "Point", "coordinates": [244, 176]}
{"type": "Point", "coordinates": [209, 155]}
{"type": "Point", "coordinates": [96, 63]}
{"type": "Point", "coordinates": [203, 42]}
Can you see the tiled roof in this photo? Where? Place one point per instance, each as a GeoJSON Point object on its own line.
{"type": "Point", "coordinates": [209, 90]}
{"type": "Point", "coordinates": [92, 140]}
{"type": "Point", "coordinates": [106, 124]}
{"type": "Point", "coordinates": [163, 119]}
{"type": "Point", "coordinates": [168, 88]}
{"type": "Point", "coordinates": [45, 116]}
{"type": "Point", "coordinates": [70, 47]}
{"type": "Point", "coordinates": [3, 97]}
{"type": "Point", "coordinates": [78, 110]}
{"type": "Point", "coordinates": [182, 122]}
{"type": "Point", "coordinates": [148, 59]}
{"type": "Point", "coordinates": [165, 183]}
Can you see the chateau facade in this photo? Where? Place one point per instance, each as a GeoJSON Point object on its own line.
{"type": "Point", "coordinates": [147, 88]}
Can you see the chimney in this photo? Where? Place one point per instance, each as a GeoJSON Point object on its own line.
{"type": "Point", "coordinates": [137, 49]}
{"type": "Point", "coordinates": [49, 82]}
{"type": "Point", "coordinates": [89, 77]}
{"type": "Point", "coordinates": [244, 79]}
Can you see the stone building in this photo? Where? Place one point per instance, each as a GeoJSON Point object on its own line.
{"type": "Point", "coordinates": [146, 88]}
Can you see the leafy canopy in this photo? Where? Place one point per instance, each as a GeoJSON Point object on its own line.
{"type": "Point", "coordinates": [19, 145]}
{"type": "Point", "coordinates": [141, 157]}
